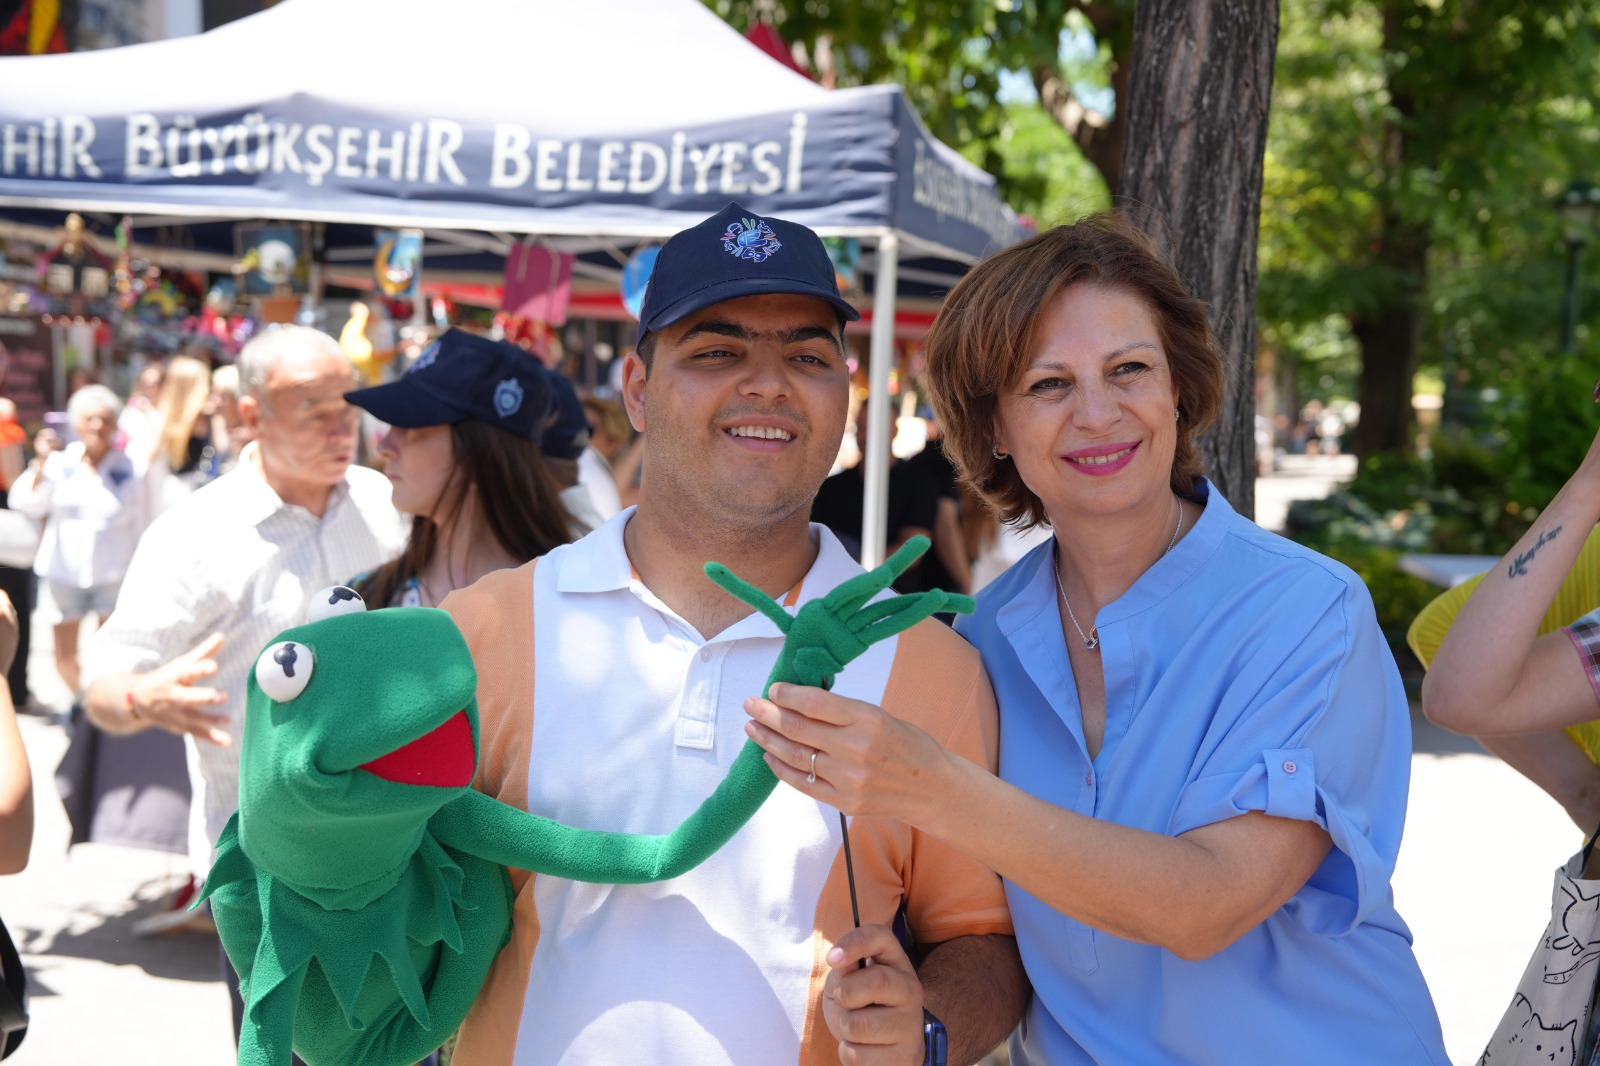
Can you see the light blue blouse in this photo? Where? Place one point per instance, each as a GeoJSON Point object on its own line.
{"type": "Point", "coordinates": [1243, 673]}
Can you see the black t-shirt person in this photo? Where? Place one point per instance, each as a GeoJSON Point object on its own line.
{"type": "Point", "coordinates": [941, 472]}
{"type": "Point", "coordinates": [913, 506]}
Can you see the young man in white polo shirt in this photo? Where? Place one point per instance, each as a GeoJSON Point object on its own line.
{"type": "Point", "coordinates": [612, 674]}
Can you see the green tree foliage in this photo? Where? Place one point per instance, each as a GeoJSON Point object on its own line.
{"type": "Point", "coordinates": [1041, 171]}
{"type": "Point", "coordinates": [954, 58]}
{"type": "Point", "coordinates": [1413, 150]}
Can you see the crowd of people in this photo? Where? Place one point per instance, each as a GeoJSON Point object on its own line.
{"type": "Point", "coordinates": [1143, 805]}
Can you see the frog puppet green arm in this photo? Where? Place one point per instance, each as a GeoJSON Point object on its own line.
{"type": "Point", "coordinates": [361, 891]}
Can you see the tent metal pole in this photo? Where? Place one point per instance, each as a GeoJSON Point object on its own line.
{"type": "Point", "coordinates": [880, 434]}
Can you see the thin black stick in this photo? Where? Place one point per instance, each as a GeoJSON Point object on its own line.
{"type": "Point", "coordinates": [850, 873]}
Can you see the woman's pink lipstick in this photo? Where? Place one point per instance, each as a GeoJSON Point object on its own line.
{"type": "Point", "coordinates": [1103, 468]}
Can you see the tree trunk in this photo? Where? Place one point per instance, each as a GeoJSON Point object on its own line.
{"type": "Point", "coordinates": [1388, 332]}
{"type": "Point", "coordinates": [1200, 88]}
{"type": "Point", "coordinates": [1388, 339]}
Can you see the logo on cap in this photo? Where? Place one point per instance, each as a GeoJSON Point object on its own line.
{"type": "Point", "coordinates": [508, 397]}
{"type": "Point", "coordinates": [752, 239]}
{"type": "Point", "coordinates": [425, 360]}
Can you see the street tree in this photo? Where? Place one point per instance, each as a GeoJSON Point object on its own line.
{"type": "Point", "coordinates": [1200, 88]}
{"type": "Point", "coordinates": [952, 57]}
{"type": "Point", "coordinates": [1182, 136]}
{"type": "Point", "coordinates": [1413, 150]}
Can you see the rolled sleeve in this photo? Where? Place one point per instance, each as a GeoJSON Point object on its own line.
{"type": "Point", "coordinates": [1327, 743]}
{"type": "Point", "coordinates": [1291, 784]}
{"type": "Point", "coordinates": [1281, 783]}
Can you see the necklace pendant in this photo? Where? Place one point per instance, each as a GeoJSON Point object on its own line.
{"type": "Point", "coordinates": [1091, 643]}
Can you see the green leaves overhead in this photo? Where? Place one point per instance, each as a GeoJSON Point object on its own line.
{"type": "Point", "coordinates": [1413, 150]}
{"type": "Point", "coordinates": [976, 71]}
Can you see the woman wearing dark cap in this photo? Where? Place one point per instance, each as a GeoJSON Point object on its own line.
{"type": "Point", "coordinates": [1204, 743]}
{"type": "Point", "coordinates": [462, 455]}
{"type": "Point", "coordinates": [565, 440]}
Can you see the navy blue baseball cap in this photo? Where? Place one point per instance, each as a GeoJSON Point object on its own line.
{"type": "Point", "coordinates": [566, 431]}
{"type": "Point", "coordinates": [460, 376]}
{"type": "Point", "coordinates": [737, 253]}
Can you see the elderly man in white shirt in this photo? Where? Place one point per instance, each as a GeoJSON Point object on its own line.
{"type": "Point", "coordinates": [222, 572]}
{"type": "Point", "coordinates": [94, 501]}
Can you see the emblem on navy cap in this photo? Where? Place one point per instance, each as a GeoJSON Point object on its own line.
{"type": "Point", "coordinates": [752, 239]}
{"type": "Point", "coordinates": [425, 360]}
{"type": "Point", "coordinates": [508, 397]}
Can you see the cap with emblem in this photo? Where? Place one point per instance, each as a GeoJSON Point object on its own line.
{"type": "Point", "coordinates": [566, 432]}
{"type": "Point", "coordinates": [737, 253]}
{"type": "Point", "coordinates": [460, 376]}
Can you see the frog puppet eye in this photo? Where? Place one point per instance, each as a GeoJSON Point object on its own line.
{"type": "Point", "coordinates": [284, 670]}
{"type": "Point", "coordinates": [334, 600]}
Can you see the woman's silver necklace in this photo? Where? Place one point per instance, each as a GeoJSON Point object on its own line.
{"type": "Point", "coordinates": [1091, 639]}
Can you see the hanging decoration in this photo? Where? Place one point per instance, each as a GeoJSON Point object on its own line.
{"type": "Point", "coordinates": [397, 266]}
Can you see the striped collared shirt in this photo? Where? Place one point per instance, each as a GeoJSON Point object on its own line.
{"type": "Point", "coordinates": [1585, 636]}
{"type": "Point", "coordinates": [234, 558]}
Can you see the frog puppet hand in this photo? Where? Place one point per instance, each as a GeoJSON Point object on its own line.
{"type": "Point", "coordinates": [361, 891]}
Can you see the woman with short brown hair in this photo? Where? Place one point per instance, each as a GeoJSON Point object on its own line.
{"type": "Point", "coordinates": [1204, 742]}
{"type": "Point", "coordinates": [986, 330]}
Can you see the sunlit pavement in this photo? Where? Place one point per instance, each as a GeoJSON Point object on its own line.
{"type": "Point", "coordinates": [1481, 842]}
{"type": "Point", "coordinates": [1298, 477]}
{"type": "Point", "coordinates": [1473, 883]}
{"type": "Point", "coordinates": [100, 994]}
{"type": "Point", "coordinates": [1474, 879]}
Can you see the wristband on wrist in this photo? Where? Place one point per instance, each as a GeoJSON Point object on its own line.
{"type": "Point", "coordinates": [936, 1044]}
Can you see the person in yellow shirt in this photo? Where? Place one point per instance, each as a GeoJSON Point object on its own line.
{"type": "Point", "coordinates": [1518, 650]}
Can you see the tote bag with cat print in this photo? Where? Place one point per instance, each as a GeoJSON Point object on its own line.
{"type": "Point", "coordinates": [1552, 1015]}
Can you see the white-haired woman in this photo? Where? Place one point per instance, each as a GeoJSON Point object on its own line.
{"type": "Point", "coordinates": [93, 500]}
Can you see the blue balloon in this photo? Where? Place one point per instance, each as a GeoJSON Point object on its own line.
{"type": "Point", "coordinates": [636, 276]}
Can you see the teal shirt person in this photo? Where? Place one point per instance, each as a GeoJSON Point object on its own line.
{"type": "Point", "coordinates": [1243, 672]}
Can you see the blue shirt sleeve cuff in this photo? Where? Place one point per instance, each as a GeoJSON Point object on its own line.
{"type": "Point", "coordinates": [1351, 881]}
{"type": "Point", "coordinates": [1291, 784]}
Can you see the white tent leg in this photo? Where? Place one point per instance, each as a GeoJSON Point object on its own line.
{"type": "Point", "coordinates": [875, 509]}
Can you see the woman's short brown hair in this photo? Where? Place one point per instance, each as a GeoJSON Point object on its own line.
{"type": "Point", "coordinates": [983, 338]}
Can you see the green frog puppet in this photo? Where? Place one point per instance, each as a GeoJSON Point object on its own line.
{"type": "Point", "coordinates": [361, 888]}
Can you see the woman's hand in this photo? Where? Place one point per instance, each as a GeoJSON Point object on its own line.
{"type": "Point", "coordinates": [867, 761]}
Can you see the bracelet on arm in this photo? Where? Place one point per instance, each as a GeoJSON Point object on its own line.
{"type": "Point", "coordinates": [133, 712]}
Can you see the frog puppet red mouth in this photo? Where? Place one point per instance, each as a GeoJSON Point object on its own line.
{"type": "Point", "coordinates": [443, 758]}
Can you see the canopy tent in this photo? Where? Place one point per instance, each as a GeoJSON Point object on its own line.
{"type": "Point", "coordinates": [596, 124]}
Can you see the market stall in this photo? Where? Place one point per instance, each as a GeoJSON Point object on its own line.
{"type": "Point", "coordinates": [597, 126]}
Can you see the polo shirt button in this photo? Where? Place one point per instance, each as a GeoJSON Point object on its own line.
{"type": "Point", "coordinates": [1088, 779]}
{"type": "Point", "coordinates": [705, 655]}
{"type": "Point", "coordinates": [1290, 767]}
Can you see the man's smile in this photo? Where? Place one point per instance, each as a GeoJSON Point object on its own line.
{"type": "Point", "coordinates": [769, 433]}
{"type": "Point", "coordinates": [761, 432]}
